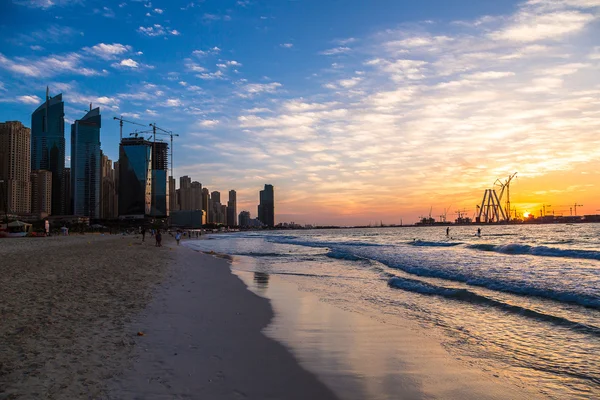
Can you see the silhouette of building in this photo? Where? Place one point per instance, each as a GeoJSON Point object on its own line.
{"type": "Point", "coordinates": [108, 196]}
{"type": "Point", "coordinates": [135, 176]}
{"type": "Point", "coordinates": [232, 208]}
{"type": "Point", "coordinates": [15, 168]}
{"type": "Point", "coordinates": [48, 146]}
{"type": "Point", "coordinates": [68, 210]}
{"type": "Point", "coordinates": [173, 197]}
{"type": "Point", "coordinates": [160, 181]}
{"type": "Point", "coordinates": [86, 180]}
{"type": "Point", "coordinates": [205, 202]}
{"type": "Point", "coordinates": [185, 193]}
{"type": "Point", "coordinates": [196, 196]}
{"type": "Point", "coordinates": [244, 219]}
{"type": "Point", "coordinates": [41, 193]}
{"type": "Point", "coordinates": [266, 207]}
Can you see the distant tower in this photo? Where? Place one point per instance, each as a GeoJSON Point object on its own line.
{"type": "Point", "coordinates": [15, 164]}
{"type": "Point", "coordinates": [232, 208]}
{"type": "Point", "coordinates": [266, 208]}
{"type": "Point", "coordinates": [135, 171]}
{"type": "Point", "coordinates": [86, 180]}
{"type": "Point", "coordinates": [48, 146]}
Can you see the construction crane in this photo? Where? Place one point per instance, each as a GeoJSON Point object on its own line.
{"type": "Point", "coordinates": [505, 186]}
{"type": "Point", "coordinates": [121, 120]}
{"type": "Point", "coordinates": [166, 133]}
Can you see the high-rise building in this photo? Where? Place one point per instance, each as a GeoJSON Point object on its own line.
{"type": "Point", "coordinates": [266, 208]}
{"type": "Point", "coordinates": [15, 168]}
{"type": "Point", "coordinates": [244, 219]}
{"type": "Point", "coordinates": [173, 198]}
{"type": "Point", "coordinates": [48, 146]}
{"type": "Point", "coordinates": [160, 181]}
{"type": "Point", "coordinates": [185, 193]}
{"type": "Point", "coordinates": [135, 176]}
{"type": "Point", "coordinates": [232, 208]}
{"type": "Point", "coordinates": [68, 210]}
{"type": "Point", "coordinates": [223, 215]}
{"type": "Point", "coordinates": [215, 211]}
{"type": "Point", "coordinates": [41, 193]}
{"type": "Point", "coordinates": [205, 201]}
{"type": "Point", "coordinates": [86, 180]}
{"type": "Point", "coordinates": [108, 196]}
{"type": "Point", "coordinates": [196, 196]}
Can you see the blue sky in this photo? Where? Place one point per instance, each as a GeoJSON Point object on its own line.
{"type": "Point", "coordinates": [356, 111]}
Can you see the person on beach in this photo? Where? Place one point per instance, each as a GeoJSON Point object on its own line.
{"type": "Point", "coordinates": [143, 234]}
{"type": "Point", "coordinates": [178, 237]}
{"type": "Point", "coordinates": [448, 231]}
{"type": "Point", "coordinates": [158, 238]}
{"type": "Point", "coordinates": [478, 231]}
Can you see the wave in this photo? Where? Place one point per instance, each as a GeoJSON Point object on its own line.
{"type": "Point", "coordinates": [514, 248]}
{"type": "Point", "coordinates": [258, 254]}
{"type": "Point", "coordinates": [433, 244]}
{"type": "Point", "coordinates": [343, 256]}
{"type": "Point", "coordinates": [416, 286]}
{"type": "Point", "coordinates": [289, 240]}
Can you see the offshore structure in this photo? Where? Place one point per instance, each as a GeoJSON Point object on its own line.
{"type": "Point", "coordinates": [491, 209]}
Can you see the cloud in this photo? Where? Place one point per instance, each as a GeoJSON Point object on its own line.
{"type": "Point", "coordinates": [44, 4]}
{"type": "Point", "coordinates": [158, 11]}
{"type": "Point", "coordinates": [127, 63]}
{"type": "Point", "coordinates": [108, 51]}
{"type": "Point", "coordinates": [286, 45]}
{"type": "Point", "coordinates": [211, 75]}
{"type": "Point", "coordinates": [253, 89]}
{"type": "Point", "coordinates": [157, 30]}
{"type": "Point", "coordinates": [336, 51]}
{"type": "Point", "coordinates": [48, 66]}
{"type": "Point", "coordinates": [36, 48]}
{"type": "Point", "coordinates": [202, 53]}
{"type": "Point", "coordinates": [173, 103]}
{"type": "Point", "coordinates": [209, 123]}
{"type": "Point", "coordinates": [31, 99]}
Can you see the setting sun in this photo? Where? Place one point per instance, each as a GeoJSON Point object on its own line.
{"type": "Point", "coordinates": [526, 214]}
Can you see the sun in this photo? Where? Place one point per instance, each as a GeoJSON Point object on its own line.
{"type": "Point", "coordinates": [526, 214]}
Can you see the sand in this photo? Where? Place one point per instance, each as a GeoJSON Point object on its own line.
{"type": "Point", "coordinates": [71, 309]}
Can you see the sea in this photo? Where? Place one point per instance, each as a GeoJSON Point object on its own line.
{"type": "Point", "coordinates": [518, 301]}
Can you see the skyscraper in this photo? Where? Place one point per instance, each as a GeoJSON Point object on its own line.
{"type": "Point", "coordinates": [66, 192]}
{"type": "Point", "coordinates": [48, 146]}
{"type": "Point", "coordinates": [205, 201]}
{"type": "Point", "coordinates": [15, 167]}
{"type": "Point", "coordinates": [41, 193]}
{"type": "Point", "coordinates": [196, 196]}
{"type": "Point", "coordinates": [185, 193]}
{"type": "Point", "coordinates": [244, 219]}
{"type": "Point", "coordinates": [160, 181]}
{"type": "Point", "coordinates": [86, 165]}
{"type": "Point", "coordinates": [232, 208]}
{"type": "Point", "coordinates": [266, 208]}
{"type": "Point", "coordinates": [108, 196]}
{"type": "Point", "coordinates": [135, 172]}
{"type": "Point", "coordinates": [173, 200]}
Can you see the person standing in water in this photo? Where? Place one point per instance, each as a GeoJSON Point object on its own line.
{"type": "Point", "coordinates": [448, 231]}
{"type": "Point", "coordinates": [478, 231]}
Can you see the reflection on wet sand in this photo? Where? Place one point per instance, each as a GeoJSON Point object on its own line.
{"type": "Point", "coordinates": [261, 280]}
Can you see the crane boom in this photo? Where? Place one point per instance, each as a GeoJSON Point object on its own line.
{"type": "Point", "coordinates": [121, 120]}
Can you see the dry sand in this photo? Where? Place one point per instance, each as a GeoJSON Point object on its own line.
{"type": "Point", "coordinates": [64, 302]}
{"type": "Point", "coordinates": [71, 308]}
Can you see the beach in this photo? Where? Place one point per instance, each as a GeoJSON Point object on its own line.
{"type": "Point", "coordinates": [94, 317]}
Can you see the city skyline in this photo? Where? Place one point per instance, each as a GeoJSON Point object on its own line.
{"type": "Point", "coordinates": [375, 116]}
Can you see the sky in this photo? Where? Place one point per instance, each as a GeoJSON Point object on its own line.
{"type": "Point", "coordinates": [356, 111]}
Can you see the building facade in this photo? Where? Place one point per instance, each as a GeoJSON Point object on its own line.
{"type": "Point", "coordinates": [86, 181]}
{"type": "Point", "coordinates": [232, 208]}
{"type": "Point", "coordinates": [135, 176]}
{"type": "Point", "coordinates": [266, 207]}
{"type": "Point", "coordinates": [15, 168]}
{"type": "Point", "coordinates": [48, 146]}
{"type": "Point", "coordinates": [185, 193]}
{"type": "Point", "coordinates": [108, 193]}
{"type": "Point", "coordinates": [160, 180]}
{"type": "Point", "coordinates": [173, 198]}
{"type": "Point", "coordinates": [244, 219]}
{"type": "Point", "coordinates": [41, 193]}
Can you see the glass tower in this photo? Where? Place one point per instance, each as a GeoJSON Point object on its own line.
{"type": "Point", "coordinates": [135, 178]}
{"type": "Point", "coordinates": [85, 165]}
{"type": "Point", "coordinates": [48, 146]}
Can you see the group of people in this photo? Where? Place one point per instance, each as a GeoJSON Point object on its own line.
{"type": "Point", "coordinates": [448, 232]}
{"type": "Point", "coordinates": [158, 236]}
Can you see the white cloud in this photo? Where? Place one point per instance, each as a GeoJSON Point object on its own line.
{"type": "Point", "coordinates": [175, 32]}
{"type": "Point", "coordinates": [253, 89]}
{"type": "Point", "coordinates": [158, 11]}
{"type": "Point", "coordinates": [48, 66]}
{"type": "Point", "coordinates": [336, 51]}
{"type": "Point", "coordinates": [173, 103]}
{"type": "Point", "coordinates": [157, 30]}
{"type": "Point", "coordinates": [36, 48]}
{"type": "Point", "coordinates": [151, 112]}
{"type": "Point", "coordinates": [128, 63]}
{"type": "Point", "coordinates": [108, 51]}
{"type": "Point", "coordinates": [45, 3]}
{"type": "Point", "coordinates": [208, 123]}
{"type": "Point", "coordinates": [31, 99]}
{"type": "Point", "coordinates": [287, 45]}
{"type": "Point", "coordinates": [348, 83]}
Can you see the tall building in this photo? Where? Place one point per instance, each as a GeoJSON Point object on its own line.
{"type": "Point", "coordinates": [41, 193]}
{"type": "Point", "coordinates": [108, 194]}
{"type": "Point", "coordinates": [66, 192]}
{"type": "Point", "coordinates": [223, 215]}
{"type": "Point", "coordinates": [86, 180]}
{"type": "Point", "coordinates": [244, 219]}
{"type": "Point", "coordinates": [185, 193]}
{"type": "Point", "coordinates": [232, 208]}
{"type": "Point", "coordinates": [48, 146]}
{"type": "Point", "coordinates": [173, 199]}
{"type": "Point", "coordinates": [205, 201]}
{"type": "Point", "coordinates": [135, 175]}
{"type": "Point", "coordinates": [196, 196]}
{"type": "Point", "coordinates": [215, 207]}
{"type": "Point", "coordinates": [266, 208]}
{"type": "Point", "coordinates": [15, 168]}
{"type": "Point", "coordinates": [160, 180]}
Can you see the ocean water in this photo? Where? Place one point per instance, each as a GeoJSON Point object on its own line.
{"type": "Point", "coordinates": [523, 301]}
